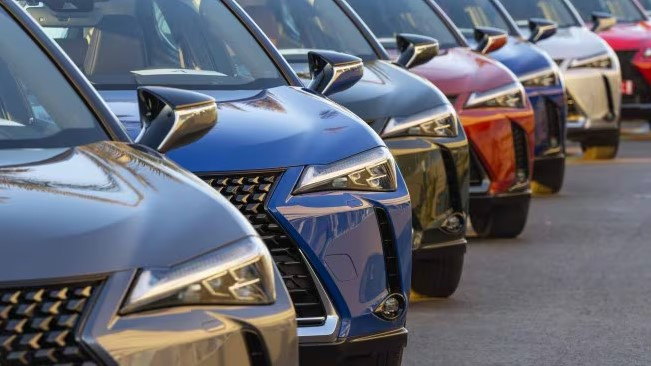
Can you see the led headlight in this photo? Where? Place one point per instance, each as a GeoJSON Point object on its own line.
{"type": "Point", "coordinates": [541, 78]}
{"type": "Point", "coordinates": [373, 170]}
{"type": "Point", "coordinates": [437, 122]}
{"type": "Point", "coordinates": [508, 96]}
{"type": "Point", "coordinates": [595, 62]}
{"type": "Point", "coordinates": [240, 273]}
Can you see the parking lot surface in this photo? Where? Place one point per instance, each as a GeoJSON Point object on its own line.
{"type": "Point", "coordinates": [574, 289]}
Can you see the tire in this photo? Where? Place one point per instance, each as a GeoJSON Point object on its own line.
{"type": "Point", "coordinates": [506, 219]}
{"type": "Point", "coordinates": [438, 276]}
{"type": "Point", "coordinates": [552, 182]}
{"type": "Point", "coordinates": [599, 152]}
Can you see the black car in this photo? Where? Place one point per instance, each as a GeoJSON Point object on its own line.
{"type": "Point", "coordinates": [416, 120]}
{"type": "Point", "coordinates": [106, 245]}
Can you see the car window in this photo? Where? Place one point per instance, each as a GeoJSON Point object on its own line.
{"type": "Point", "coordinates": [38, 107]}
{"type": "Point", "coordinates": [555, 10]}
{"type": "Point", "coordinates": [386, 18]}
{"type": "Point", "coordinates": [297, 26]}
{"type": "Point", "coordinates": [625, 10]}
{"type": "Point", "coordinates": [194, 44]}
{"type": "Point", "coordinates": [470, 14]}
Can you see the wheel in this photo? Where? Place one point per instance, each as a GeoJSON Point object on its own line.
{"type": "Point", "coordinates": [505, 218]}
{"type": "Point", "coordinates": [549, 180]}
{"type": "Point", "coordinates": [599, 152]}
{"type": "Point", "coordinates": [436, 277]}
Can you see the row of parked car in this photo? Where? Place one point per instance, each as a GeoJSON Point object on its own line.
{"type": "Point", "coordinates": [264, 182]}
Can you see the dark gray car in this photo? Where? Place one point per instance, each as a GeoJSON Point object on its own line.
{"type": "Point", "coordinates": [110, 253]}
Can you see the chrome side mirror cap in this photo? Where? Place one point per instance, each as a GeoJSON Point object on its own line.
{"type": "Point", "coordinates": [333, 72]}
{"type": "Point", "coordinates": [602, 21]}
{"type": "Point", "coordinates": [415, 50]}
{"type": "Point", "coordinates": [490, 39]}
{"type": "Point", "coordinates": [541, 29]}
{"type": "Point", "coordinates": [172, 118]}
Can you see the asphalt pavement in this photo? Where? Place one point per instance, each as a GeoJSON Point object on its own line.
{"type": "Point", "coordinates": [574, 289]}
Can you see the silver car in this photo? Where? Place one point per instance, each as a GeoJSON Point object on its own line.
{"type": "Point", "coordinates": [591, 71]}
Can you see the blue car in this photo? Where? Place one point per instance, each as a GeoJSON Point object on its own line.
{"type": "Point", "coordinates": [317, 183]}
{"type": "Point", "coordinates": [538, 73]}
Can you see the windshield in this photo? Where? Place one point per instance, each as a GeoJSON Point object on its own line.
{"type": "Point", "coordinates": [470, 14]}
{"type": "Point", "coordinates": [624, 10]}
{"type": "Point", "coordinates": [297, 26]}
{"type": "Point", "coordinates": [555, 10]}
{"type": "Point", "coordinates": [193, 44]}
{"type": "Point", "coordinates": [38, 107]}
{"type": "Point", "coordinates": [646, 4]}
{"type": "Point", "coordinates": [387, 18]}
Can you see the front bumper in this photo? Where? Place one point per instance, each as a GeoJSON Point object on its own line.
{"type": "Point", "coordinates": [636, 72]}
{"type": "Point", "coordinates": [378, 350]}
{"type": "Point", "coordinates": [358, 246]}
{"type": "Point", "coordinates": [502, 149]}
{"type": "Point", "coordinates": [594, 102]}
{"type": "Point", "coordinates": [208, 335]}
{"type": "Point", "coordinates": [550, 111]}
{"type": "Point", "coordinates": [436, 173]}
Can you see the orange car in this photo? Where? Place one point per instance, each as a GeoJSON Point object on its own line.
{"type": "Point", "coordinates": [491, 103]}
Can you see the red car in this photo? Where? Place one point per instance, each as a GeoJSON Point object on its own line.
{"type": "Point", "coordinates": [491, 102]}
{"type": "Point", "coordinates": [631, 40]}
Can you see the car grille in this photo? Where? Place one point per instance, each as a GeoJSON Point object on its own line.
{"type": "Point", "coordinates": [641, 92]}
{"type": "Point", "coordinates": [38, 324]}
{"type": "Point", "coordinates": [250, 194]}
{"type": "Point", "coordinates": [521, 153]}
{"type": "Point", "coordinates": [476, 171]}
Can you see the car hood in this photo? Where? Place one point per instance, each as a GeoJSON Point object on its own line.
{"type": "Point", "coordinates": [386, 90]}
{"type": "Point", "coordinates": [522, 57]}
{"type": "Point", "coordinates": [628, 36]}
{"type": "Point", "coordinates": [264, 129]}
{"type": "Point", "coordinates": [459, 71]}
{"type": "Point", "coordinates": [573, 42]}
{"type": "Point", "coordinates": [103, 208]}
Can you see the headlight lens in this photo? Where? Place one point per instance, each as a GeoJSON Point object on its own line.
{"type": "Point", "coordinates": [373, 170]}
{"type": "Point", "coordinates": [596, 62]}
{"type": "Point", "coordinates": [240, 273]}
{"type": "Point", "coordinates": [437, 122]}
{"type": "Point", "coordinates": [547, 77]}
{"type": "Point", "coordinates": [508, 96]}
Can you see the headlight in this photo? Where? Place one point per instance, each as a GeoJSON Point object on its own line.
{"type": "Point", "coordinates": [546, 77]}
{"type": "Point", "coordinates": [373, 170]}
{"type": "Point", "coordinates": [647, 53]}
{"type": "Point", "coordinates": [595, 62]}
{"type": "Point", "coordinates": [437, 122]}
{"type": "Point", "coordinates": [508, 96]}
{"type": "Point", "coordinates": [240, 273]}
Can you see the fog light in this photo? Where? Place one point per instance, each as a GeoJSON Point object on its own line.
{"type": "Point", "coordinates": [521, 176]}
{"type": "Point", "coordinates": [454, 223]}
{"type": "Point", "coordinates": [391, 308]}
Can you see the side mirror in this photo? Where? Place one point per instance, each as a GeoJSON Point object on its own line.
{"type": "Point", "coordinates": [602, 21]}
{"type": "Point", "coordinates": [172, 118]}
{"type": "Point", "coordinates": [490, 39]}
{"type": "Point", "coordinates": [333, 72]}
{"type": "Point", "coordinates": [541, 29]}
{"type": "Point", "coordinates": [415, 50]}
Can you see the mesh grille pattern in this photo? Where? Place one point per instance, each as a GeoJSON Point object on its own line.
{"type": "Point", "coordinates": [38, 324]}
{"type": "Point", "coordinates": [250, 194]}
{"type": "Point", "coordinates": [641, 91]}
{"type": "Point", "coordinates": [521, 152]}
